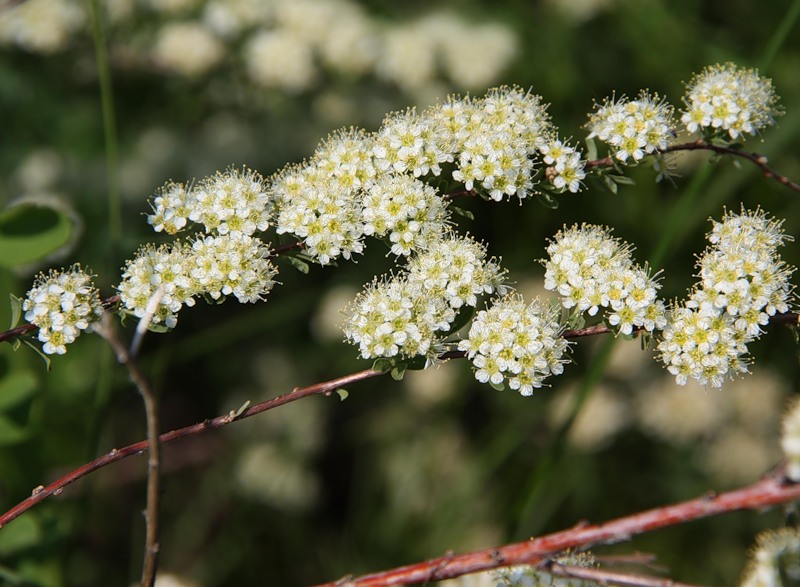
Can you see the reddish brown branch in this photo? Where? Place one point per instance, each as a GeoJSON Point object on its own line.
{"type": "Point", "coordinates": [759, 161]}
{"type": "Point", "coordinates": [770, 491]}
{"type": "Point", "coordinates": [42, 492]}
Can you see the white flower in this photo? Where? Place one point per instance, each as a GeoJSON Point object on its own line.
{"type": "Point", "coordinates": [743, 282]}
{"type": "Point", "coordinates": [62, 304]}
{"type": "Point", "coordinates": [633, 128]}
{"type": "Point", "coordinates": [517, 343]}
{"type": "Point", "coordinates": [411, 213]}
{"type": "Point", "coordinates": [591, 270]}
{"type": "Point", "coordinates": [730, 99]}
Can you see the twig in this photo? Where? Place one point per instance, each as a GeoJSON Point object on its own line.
{"type": "Point", "coordinates": [602, 577]}
{"type": "Point", "coordinates": [758, 160]}
{"type": "Point", "coordinates": [42, 492]}
{"type": "Point", "coordinates": [128, 358]}
{"type": "Point", "coordinates": [770, 491]}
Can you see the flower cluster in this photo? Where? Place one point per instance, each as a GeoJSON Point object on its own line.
{"type": "Point", "coordinates": [565, 166]}
{"type": "Point", "coordinates": [231, 202]}
{"type": "Point", "coordinates": [633, 128]}
{"type": "Point", "coordinates": [284, 44]}
{"type": "Point", "coordinates": [517, 343]}
{"type": "Point", "coordinates": [320, 201]}
{"type": "Point", "coordinates": [729, 99]}
{"type": "Point", "coordinates": [496, 139]}
{"type": "Point", "coordinates": [371, 184]}
{"type": "Point", "coordinates": [406, 210]}
{"type": "Point", "coordinates": [62, 304]}
{"type": "Point", "coordinates": [590, 270]}
{"type": "Point", "coordinates": [743, 282]}
{"type": "Point", "coordinates": [176, 274]}
{"type": "Point", "coordinates": [407, 315]}
{"type": "Point", "coordinates": [775, 561]}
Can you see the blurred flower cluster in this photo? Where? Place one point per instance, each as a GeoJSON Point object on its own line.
{"type": "Point", "coordinates": [287, 45]}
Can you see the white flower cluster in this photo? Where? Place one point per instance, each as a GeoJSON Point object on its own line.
{"type": "Point", "coordinates": [565, 166]}
{"type": "Point", "coordinates": [776, 560]}
{"type": "Point", "coordinates": [633, 128]}
{"type": "Point", "coordinates": [729, 99]}
{"type": "Point", "coordinates": [226, 259]}
{"type": "Point", "coordinates": [231, 202]}
{"type": "Point", "coordinates": [496, 138]}
{"type": "Point", "coordinates": [284, 44]}
{"type": "Point", "coordinates": [62, 304]}
{"type": "Point", "coordinates": [233, 264]}
{"type": "Point", "coordinates": [321, 200]}
{"type": "Point", "coordinates": [517, 343]}
{"type": "Point", "coordinates": [360, 183]}
{"type": "Point", "coordinates": [408, 314]}
{"type": "Point", "coordinates": [590, 270]}
{"type": "Point", "coordinates": [41, 26]}
{"type": "Point", "coordinates": [790, 441]}
{"type": "Point", "coordinates": [743, 282]}
{"type": "Point", "coordinates": [170, 49]}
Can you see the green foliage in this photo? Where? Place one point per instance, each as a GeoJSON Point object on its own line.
{"type": "Point", "coordinates": [29, 232]}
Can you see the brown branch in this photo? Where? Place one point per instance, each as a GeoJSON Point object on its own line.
{"type": "Point", "coordinates": [770, 491]}
{"type": "Point", "coordinates": [42, 492]}
{"type": "Point", "coordinates": [602, 577]}
{"type": "Point", "coordinates": [758, 160]}
{"type": "Point", "coordinates": [152, 512]}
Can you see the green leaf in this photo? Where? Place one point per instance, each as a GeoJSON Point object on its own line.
{"type": "Point", "coordinates": [382, 365]}
{"type": "Point", "coordinates": [16, 387]}
{"type": "Point", "coordinates": [298, 264]}
{"type": "Point", "coordinates": [497, 386]}
{"type": "Point", "coordinates": [11, 432]}
{"type": "Point", "coordinates": [22, 533]}
{"type": "Point", "coordinates": [29, 232]}
{"type": "Point", "coordinates": [45, 357]}
{"type": "Point", "coordinates": [342, 393]}
{"type": "Point", "coordinates": [622, 179]}
{"type": "Point", "coordinates": [610, 184]}
{"type": "Point", "coordinates": [591, 150]}
{"type": "Point", "coordinates": [548, 201]}
{"type": "Point", "coordinates": [16, 310]}
{"type": "Point", "coordinates": [462, 212]}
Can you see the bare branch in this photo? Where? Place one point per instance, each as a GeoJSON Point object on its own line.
{"type": "Point", "coordinates": [770, 491]}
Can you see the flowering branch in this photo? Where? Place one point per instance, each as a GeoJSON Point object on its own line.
{"type": "Point", "coordinates": [758, 160]}
{"type": "Point", "coordinates": [42, 492]}
{"type": "Point", "coordinates": [770, 491]}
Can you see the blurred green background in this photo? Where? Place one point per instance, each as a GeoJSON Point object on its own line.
{"type": "Point", "coordinates": [400, 471]}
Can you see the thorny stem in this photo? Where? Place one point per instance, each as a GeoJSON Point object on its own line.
{"type": "Point", "coordinates": [770, 491]}
{"type": "Point", "coordinates": [151, 514]}
{"type": "Point", "coordinates": [759, 161]}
